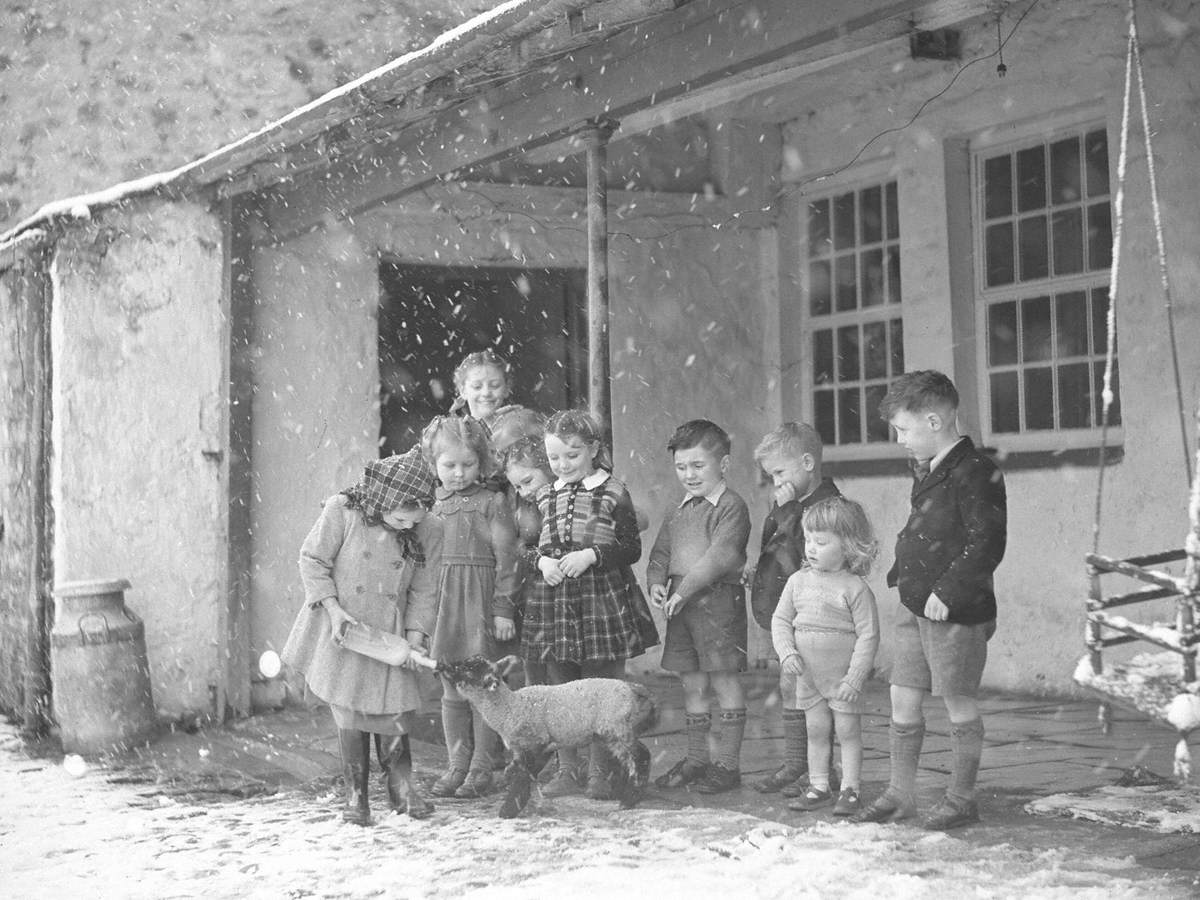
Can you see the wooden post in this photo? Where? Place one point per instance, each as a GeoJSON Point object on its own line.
{"type": "Point", "coordinates": [595, 135]}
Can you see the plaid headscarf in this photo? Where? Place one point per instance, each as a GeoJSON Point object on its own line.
{"type": "Point", "coordinates": [389, 483]}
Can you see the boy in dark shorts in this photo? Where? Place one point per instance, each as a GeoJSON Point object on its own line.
{"type": "Point", "coordinates": [695, 575]}
{"type": "Point", "coordinates": [945, 557]}
{"type": "Point", "coordinates": [791, 457]}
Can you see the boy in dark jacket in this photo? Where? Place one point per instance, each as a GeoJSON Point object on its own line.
{"type": "Point", "coordinates": [945, 556]}
{"type": "Point", "coordinates": [791, 457]}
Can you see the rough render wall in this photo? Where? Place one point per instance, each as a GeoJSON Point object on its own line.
{"type": "Point", "coordinates": [680, 326]}
{"type": "Point", "coordinates": [1079, 50]}
{"type": "Point", "coordinates": [138, 396]}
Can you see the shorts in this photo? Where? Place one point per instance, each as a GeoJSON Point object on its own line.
{"type": "Point", "coordinates": [944, 658]}
{"type": "Point", "coordinates": [826, 658]}
{"type": "Point", "coordinates": [709, 633]}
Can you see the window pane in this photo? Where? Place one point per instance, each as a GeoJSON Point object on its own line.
{"type": "Point", "coordinates": [872, 288]}
{"type": "Point", "coordinates": [1065, 181]}
{"type": "Point", "coordinates": [1035, 329]}
{"type": "Point", "coordinates": [999, 253]}
{"type": "Point", "coordinates": [823, 414]}
{"type": "Point", "coordinates": [893, 212]}
{"type": "Point", "coordinates": [846, 271]}
{"type": "Point", "coordinates": [822, 356]}
{"type": "Point", "coordinates": [843, 221]}
{"type": "Point", "coordinates": [1072, 324]}
{"type": "Point", "coordinates": [818, 228]}
{"type": "Point", "coordinates": [1100, 321]}
{"type": "Point", "coordinates": [877, 429]}
{"type": "Point", "coordinates": [896, 344]}
{"type": "Point", "coordinates": [1005, 408]}
{"type": "Point", "coordinates": [847, 348]}
{"type": "Point", "coordinates": [1074, 396]}
{"type": "Point", "coordinates": [1031, 179]}
{"type": "Point", "coordinates": [819, 298]}
{"type": "Point", "coordinates": [1002, 334]}
{"type": "Point", "coordinates": [871, 214]}
{"type": "Point", "coordinates": [1095, 150]}
{"type": "Point", "coordinates": [997, 187]}
{"type": "Point", "coordinates": [875, 351]}
{"type": "Point", "coordinates": [1114, 411]}
{"type": "Point", "coordinates": [1039, 399]}
{"type": "Point", "coordinates": [1032, 254]}
{"type": "Point", "coordinates": [1068, 241]}
{"type": "Point", "coordinates": [893, 275]}
{"type": "Point", "coordinates": [1099, 236]}
{"type": "Point", "coordinates": [849, 427]}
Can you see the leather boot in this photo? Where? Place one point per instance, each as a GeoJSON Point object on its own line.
{"type": "Point", "coordinates": [395, 755]}
{"type": "Point", "coordinates": [356, 769]}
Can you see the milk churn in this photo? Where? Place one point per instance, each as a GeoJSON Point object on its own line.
{"type": "Point", "coordinates": [99, 671]}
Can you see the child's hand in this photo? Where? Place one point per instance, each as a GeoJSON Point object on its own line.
{"type": "Point", "coordinates": [845, 693]}
{"type": "Point", "coordinates": [748, 573]}
{"type": "Point", "coordinates": [673, 605]}
{"type": "Point", "coordinates": [658, 595]}
{"type": "Point", "coordinates": [936, 610]}
{"type": "Point", "coordinates": [548, 566]}
{"type": "Point", "coordinates": [577, 562]}
{"type": "Point", "coordinates": [506, 629]}
{"type": "Point", "coordinates": [785, 493]}
{"type": "Point", "coordinates": [339, 620]}
{"type": "Point", "coordinates": [416, 642]}
{"type": "Point", "coordinates": [792, 665]}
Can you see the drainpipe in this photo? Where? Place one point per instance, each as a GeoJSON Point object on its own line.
{"type": "Point", "coordinates": [595, 135]}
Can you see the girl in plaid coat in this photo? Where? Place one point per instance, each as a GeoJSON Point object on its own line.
{"type": "Point", "coordinates": [372, 557]}
{"type": "Point", "coordinates": [584, 611]}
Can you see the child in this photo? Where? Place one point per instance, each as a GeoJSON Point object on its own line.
{"type": "Point", "coordinates": [527, 470]}
{"type": "Point", "coordinates": [826, 632]}
{"type": "Point", "coordinates": [372, 557]}
{"type": "Point", "coordinates": [484, 383]}
{"type": "Point", "coordinates": [584, 612]}
{"type": "Point", "coordinates": [791, 457]}
{"type": "Point", "coordinates": [945, 557]}
{"type": "Point", "coordinates": [695, 576]}
{"type": "Point", "coordinates": [476, 584]}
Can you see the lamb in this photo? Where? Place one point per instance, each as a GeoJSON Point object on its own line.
{"type": "Point", "coordinates": [536, 719]}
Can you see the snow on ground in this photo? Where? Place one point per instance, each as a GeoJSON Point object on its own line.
{"type": "Point", "coordinates": [1165, 808]}
{"type": "Point", "coordinates": [64, 835]}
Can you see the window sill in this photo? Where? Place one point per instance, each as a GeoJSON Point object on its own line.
{"type": "Point", "coordinates": [1008, 461]}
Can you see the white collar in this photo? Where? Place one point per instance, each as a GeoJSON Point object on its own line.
{"type": "Point", "coordinates": [592, 481]}
{"type": "Point", "coordinates": [711, 498]}
{"type": "Point", "coordinates": [933, 463]}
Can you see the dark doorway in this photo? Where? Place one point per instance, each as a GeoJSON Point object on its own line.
{"type": "Point", "coordinates": [430, 317]}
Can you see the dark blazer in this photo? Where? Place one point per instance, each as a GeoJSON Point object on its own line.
{"type": "Point", "coordinates": [782, 551]}
{"type": "Point", "coordinates": [954, 537]}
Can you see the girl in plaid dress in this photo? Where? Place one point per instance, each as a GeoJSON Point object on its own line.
{"type": "Point", "coordinates": [371, 557]}
{"type": "Point", "coordinates": [476, 587]}
{"type": "Point", "coordinates": [584, 611]}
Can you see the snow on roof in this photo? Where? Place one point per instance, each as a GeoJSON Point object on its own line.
{"type": "Point", "coordinates": [503, 23]}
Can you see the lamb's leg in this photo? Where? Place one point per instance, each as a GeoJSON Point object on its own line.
{"type": "Point", "coordinates": [526, 762]}
{"type": "Point", "coordinates": [630, 773]}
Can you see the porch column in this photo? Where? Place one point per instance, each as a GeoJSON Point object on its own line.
{"type": "Point", "coordinates": [595, 135]}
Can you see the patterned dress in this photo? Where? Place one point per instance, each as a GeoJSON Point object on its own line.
{"type": "Point", "coordinates": [601, 614]}
{"type": "Point", "coordinates": [478, 577]}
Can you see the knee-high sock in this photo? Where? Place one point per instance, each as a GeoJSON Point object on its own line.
{"type": "Point", "coordinates": [487, 745]}
{"type": "Point", "coordinates": [698, 726]}
{"type": "Point", "coordinates": [456, 726]}
{"type": "Point", "coordinates": [729, 741]}
{"type": "Point", "coordinates": [905, 743]}
{"type": "Point", "coordinates": [795, 740]}
{"type": "Point", "coordinates": [966, 747]}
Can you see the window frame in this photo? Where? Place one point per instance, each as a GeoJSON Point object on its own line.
{"type": "Point", "coordinates": [874, 174]}
{"type": "Point", "coordinates": [1011, 139]}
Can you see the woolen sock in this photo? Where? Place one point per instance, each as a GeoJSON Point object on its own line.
{"type": "Point", "coordinates": [487, 745]}
{"type": "Point", "coordinates": [905, 744]}
{"type": "Point", "coordinates": [698, 726]}
{"type": "Point", "coordinates": [966, 749]}
{"type": "Point", "coordinates": [729, 741]}
{"type": "Point", "coordinates": [795, 740]}
{"type": "Point", "coordinates": [456, 726]}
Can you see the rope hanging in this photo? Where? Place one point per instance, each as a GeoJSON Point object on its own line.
{"type": "Point", "coordinates": [1133, 64]}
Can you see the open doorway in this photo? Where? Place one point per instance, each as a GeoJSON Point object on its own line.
{"type": "Point", "coordinates": [430, 317]}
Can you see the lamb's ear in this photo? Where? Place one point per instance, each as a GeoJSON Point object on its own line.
{"type": "Point", "coordinates": [505, 666]}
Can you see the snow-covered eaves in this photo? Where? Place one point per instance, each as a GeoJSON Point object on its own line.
{"type": "Point", "coordinates": [497, 44]}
